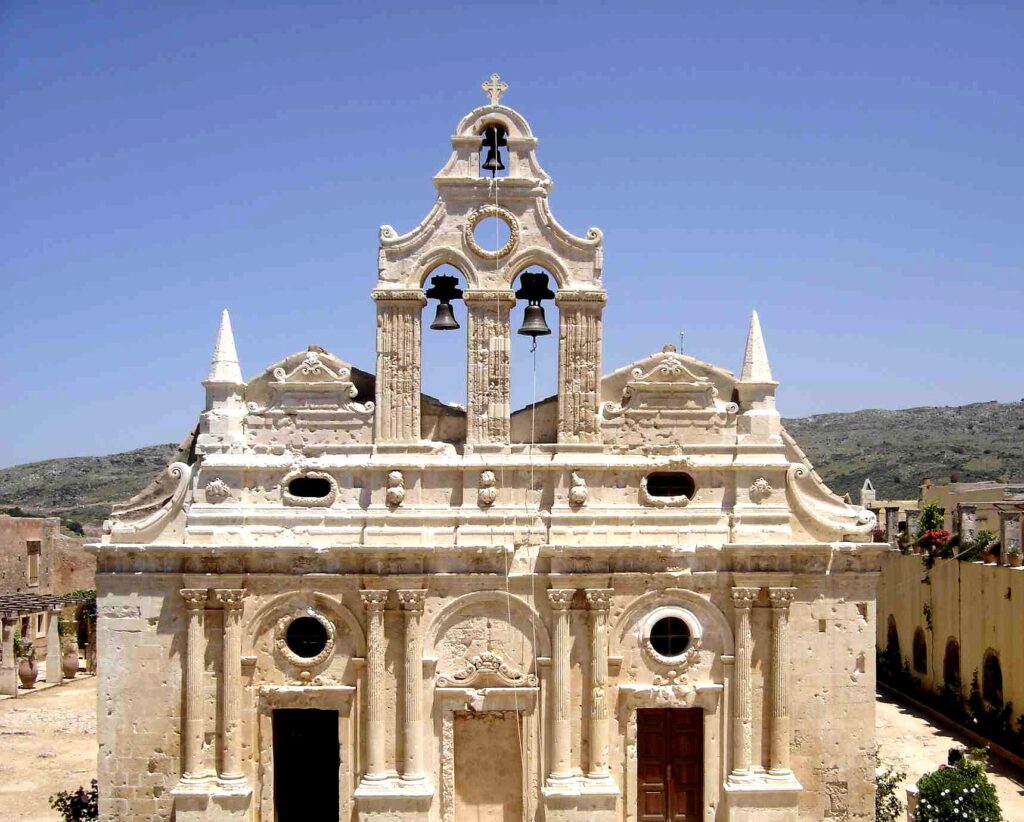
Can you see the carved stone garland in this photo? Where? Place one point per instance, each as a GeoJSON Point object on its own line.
{"type": "Point", "coordinates": [292, 658]}
{"type": "Point", "coordinates": [487, 669]}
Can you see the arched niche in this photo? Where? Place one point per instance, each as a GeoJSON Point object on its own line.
{"type": "Point", "coordinates": [951, 665]}
{"type": "Point", "coordinates": [920, 651]}
{"type": "Point", "coordinates": [263, 621]}
{"type": "Point", "coordinates": [628, 637]}
{"type": "Point", "coordinates": [533, 373]}
{"type": "Point", "coordinates": [892, 639]}
{"type": "Point", "coordinates": [443, 357]}
{"type": "Point", "coordinates": [992, 678]}
{"type": "Point", "coordinates": [486, 622]}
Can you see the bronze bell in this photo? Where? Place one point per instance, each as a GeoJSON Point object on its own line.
{"type": "Point", "coordinates": [492, 162]}
{"type": "Point", "coordinates": [494, 138]}
{"type": "Point", "coordinates": [533, 288]}
{"type": "Point", "coordinates": [444, 319]}
{"type": "Point", "coordinates": [534, 324]}
{"type": "Point", "coordinates": [442, 288]}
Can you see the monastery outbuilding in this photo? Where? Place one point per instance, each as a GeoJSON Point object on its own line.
{"type": "Point", "coordinates": [635, 600]}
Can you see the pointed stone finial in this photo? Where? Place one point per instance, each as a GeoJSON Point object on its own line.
{"type": "Point", "coordinates": [224, 363]}
{"type": "Point", "coordinates": [755, 358]}
{"type": "Point", "coordinates": [494, 88]}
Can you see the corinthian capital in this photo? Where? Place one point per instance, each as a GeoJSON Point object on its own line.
{"type": "Point", "coordinates": [599, 599]}
{"type": "Point", "coordinates": [195, 598]}
{"type": "Point", "coordinates": [229, 598]}
{"type": "Point", "coordinates": [781, 597]}
{"type": "Point", "coordinates": [412, 599]}
{"type": "Point", "coordinates": [560, 598]}
{"type": "Point", "coordinates": [373, 600]}
{"type": "Point", "coordinates": [744, 597]}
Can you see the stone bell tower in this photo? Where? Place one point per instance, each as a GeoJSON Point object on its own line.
{"type": "Point", "coordinates": [465, 197]}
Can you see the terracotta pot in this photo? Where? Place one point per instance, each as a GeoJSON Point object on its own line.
{"type": "Point", "coordinates": [1015, 560]}
{"type": "Point", "coordinates": [987, 556]}
{"type": "Point", "coordinates": [69, 663]}
{"type": "Point", "coordinates": [27, 672]}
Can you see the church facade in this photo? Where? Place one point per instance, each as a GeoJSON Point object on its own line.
{"type": "Point", "coordinates": [635, 600]}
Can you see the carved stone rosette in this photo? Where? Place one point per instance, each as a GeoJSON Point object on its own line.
{"type": "Point", "coordinates": [578, 491]}
{"type": "Point", "coordinates": [394, 494]}
{"type": "Point", "coordinates": [760, 489]}
{"type": "Point", "coordinates": [487, 493]}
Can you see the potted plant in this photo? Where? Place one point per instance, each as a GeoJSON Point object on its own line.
{"type": "Point", "coordinates": [69, 647]}
{"type": "Point", "coordinates": [26, 656]}
{"type": "Point", "coordinates": [1014, 556]}
{"type": "Point", "coordinates": [934, 539]}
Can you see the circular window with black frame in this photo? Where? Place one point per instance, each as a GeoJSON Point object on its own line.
{"type": "Point", "coordinates": [304, 638]}
{"type": "Point", "coordinates": [671, 637]}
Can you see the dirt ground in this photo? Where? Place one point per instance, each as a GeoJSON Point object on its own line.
{"type": "Point", "coordinates": [911, 743]}
{"type": "Point", "coordinates": [47, 744]}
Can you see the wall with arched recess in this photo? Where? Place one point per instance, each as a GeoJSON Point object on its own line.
{"type": "Point", "coordinates": [978, 607]}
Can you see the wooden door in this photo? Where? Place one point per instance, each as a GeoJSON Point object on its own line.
{"type": "Point", "coordinates": [670, 764]}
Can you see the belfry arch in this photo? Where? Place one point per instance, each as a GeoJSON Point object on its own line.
{"type": "Point", "coordinates": [466, 197]}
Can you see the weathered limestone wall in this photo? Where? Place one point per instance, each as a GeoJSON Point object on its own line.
{"type": "Point", "coordinates": [979, 606]}
{"type": "Point", "coordinates": [15, 533]}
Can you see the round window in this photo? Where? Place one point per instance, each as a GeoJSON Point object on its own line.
{"type": "Point", "coordinates": [670, 637]}
{"type": "Point", "coordinates": [306, 637]}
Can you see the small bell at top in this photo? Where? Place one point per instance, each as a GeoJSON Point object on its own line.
{"type": "Point", "coordinates": [493, 139]}
{"type": "Point", "coordinates": [534, 324]}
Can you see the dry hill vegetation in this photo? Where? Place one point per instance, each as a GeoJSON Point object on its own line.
{"type": "Point", "coordinates": [982, 441]}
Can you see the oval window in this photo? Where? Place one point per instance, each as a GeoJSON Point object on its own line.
{"type": "Point", "coordinates": [670, 484]}
{"type": "Point", "coordinates": [310, 487]}
{"type": "Point", "coordinates": [670, 637]}
{"type": "Point", "coordinates": [306, 637]}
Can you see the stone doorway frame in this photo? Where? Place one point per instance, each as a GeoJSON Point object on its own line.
{"type": "Point", "coordinates": [709, 697]}
{"type": "Point", "coordinates": [524, 701]}
{"type": "Point", "coordinates": [340, 698]}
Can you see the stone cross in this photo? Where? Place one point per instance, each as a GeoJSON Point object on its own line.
{"type": "Point", "coordinates": [494, 88]}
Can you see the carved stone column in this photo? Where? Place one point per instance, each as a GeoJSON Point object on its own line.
{"type": "Point", "coordinates": [1009, 532]}
{"type": "Point", "coordinates": [230, 600]}
{"type": "Point", "coordinates": [579, 364]}
{"type": "Point", "coordinates": [892, 524]}
{"type": "Point", "coordinates": [54, 668]}
{"type": "Point", "coordinates": [742, 601]}
{"type": "Point", "coordinates": [8, 669]}
{"type": "Point", "coordinates": [487, 378]}
{"type": "Point", "coordinates": [599, 600]}
{"type": "Point", "coordinates": [779, 756]}
{"type": "Point", "coordinates": [966, 516]}
{"type": "Point", "coordinates": [913, 522]}
{"type": "Point", "coordinates": [397, 416]}
{"type": "Point", "coordinates": [561, 727]}
{"type": "Point", "coordinates": [376, 766]}
{"type": "Point", "coordinates": [192, 769]}
{"type": "Point", "coordinates": [412, 608]}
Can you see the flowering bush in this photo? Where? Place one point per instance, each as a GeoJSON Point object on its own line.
{"type": "Point", "coordinates": [935, 538]}
{"type": "Point", "coordinates": [961, 792]}
{"type": "Point", "coordinates": [77, 806]}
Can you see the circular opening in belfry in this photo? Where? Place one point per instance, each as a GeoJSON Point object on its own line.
{"type": "Point", "coordinates": [491, 234]}
{"type": "Point", "coordinates": [670, 636]}
{"type": "Point", "coordinates": [312, 487]}
{"type": "Point", "coordinates": [306, 637]}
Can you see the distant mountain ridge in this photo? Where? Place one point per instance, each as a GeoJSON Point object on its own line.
{"type": "Point", "coordinates": [897, 449]}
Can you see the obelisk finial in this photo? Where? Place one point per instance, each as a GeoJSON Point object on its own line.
{"type": "Point", "coordinates": [494, 88]}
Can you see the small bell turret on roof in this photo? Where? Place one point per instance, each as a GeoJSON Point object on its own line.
{"type": "Point", "coordinates": [756, 389]}
{"type": "Point", "coordinates": [224, 366]}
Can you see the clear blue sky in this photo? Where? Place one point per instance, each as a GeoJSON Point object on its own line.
{"type": "Point", "coordinates": [853, 170]}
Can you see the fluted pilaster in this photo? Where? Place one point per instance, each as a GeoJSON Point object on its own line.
{"type": "Point", "coordinates": [376, 766]}
{"type": "Point", "coordinates": [780, 738]}
{"type": "Point", "coordinates": [743, 601]}
{"type": "Point", "coordinates": [598, 600]}
{"type": "Point", "coordinates": [230, 600]}
{"type": "Point", "coordinates": [487, 378]}
{"type": "Point", "coordinates": [579, 364]}
{"type": "Point", "coordinates": [412, 608]}
{"type": "Point", "coordinates": [561, 729]}
{"type": "Point", "coordinates": [192, 769]}
{"type": "Point", "coordinates": [397, 417]}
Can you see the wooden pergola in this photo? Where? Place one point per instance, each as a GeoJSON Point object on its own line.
{"type": "Point", "coordinates": [13, 607]}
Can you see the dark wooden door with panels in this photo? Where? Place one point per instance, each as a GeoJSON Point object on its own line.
{"type": "Point", "coordinates": [670, 764]}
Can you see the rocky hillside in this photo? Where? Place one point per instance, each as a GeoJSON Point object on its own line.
{"type": "Point", "coordinates": [895, 448]}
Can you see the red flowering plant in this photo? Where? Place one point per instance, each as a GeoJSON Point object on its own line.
{"type": "Point", "coordinates": [934, 539]}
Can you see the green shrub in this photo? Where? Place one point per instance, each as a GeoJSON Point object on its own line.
{"type": "Point", "coordinates": [957, 793]}
{"type": "Point", "coordinates": [77, 806]}
{"type": "Point", "coordinates": [888, 807]}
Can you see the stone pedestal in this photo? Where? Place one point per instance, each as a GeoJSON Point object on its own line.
{"type": "Point", "coordinates": [1009, 532]}
{"type": "Point", "coordinates": [761, 801]}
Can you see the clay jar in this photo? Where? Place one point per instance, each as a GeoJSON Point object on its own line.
{"type": "Point", "coordinates": [69, 661]}
{"type": "Point", "coordinates": [27, 672]}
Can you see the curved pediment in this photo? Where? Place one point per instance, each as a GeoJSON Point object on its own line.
{"type": "Point", "coordinates": [311, 379]}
